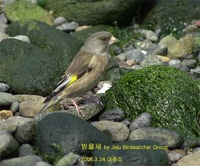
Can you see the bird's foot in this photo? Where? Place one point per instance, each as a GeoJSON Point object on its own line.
{"type": "Point", "coordinates": [77, 108]}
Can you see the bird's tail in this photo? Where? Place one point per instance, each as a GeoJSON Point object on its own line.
{"type": "Point", "coordinates": [49, 102]}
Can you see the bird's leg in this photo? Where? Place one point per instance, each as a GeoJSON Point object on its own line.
{"type": "Point", "coordinates": [77, 108]}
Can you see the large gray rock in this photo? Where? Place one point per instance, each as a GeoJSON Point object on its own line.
{"type": "Point", "coordinates": [165, 137]}
{"type": "Point", "coordinates": [94, 12]}
{"type": "Point", "coordinates": [59, 133]}
{"type": "Point", "coordinates": [29, 160]}
{"type": "Point", "coordinates": [8, 145]}
{"type": "Point", "coordinates": [35, 68]}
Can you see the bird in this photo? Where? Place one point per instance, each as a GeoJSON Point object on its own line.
{"type": "Point", "coordinates": [85, 70]}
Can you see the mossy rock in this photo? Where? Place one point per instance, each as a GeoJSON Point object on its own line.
{"type": "Point", "coordinates": [21, 10]}
{"type": "Point", "coordinates": [170, 95]}
{"type": "Point", "coordinates": [36, 68]}
{"type": "Point", "coordinates": [47, 38]}
{"type": "Point", "coordinates": [170, 16]}
{"type": "Point", "coordinates": [94, 12]}
{"type": "Point", "coordinates": [27, 68]}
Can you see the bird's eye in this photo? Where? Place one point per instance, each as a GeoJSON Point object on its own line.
{"type": "Point", "coordinates": [104, 39]}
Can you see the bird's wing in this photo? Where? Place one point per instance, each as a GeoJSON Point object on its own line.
{"type": "Point", "coordinates": [78, 67]}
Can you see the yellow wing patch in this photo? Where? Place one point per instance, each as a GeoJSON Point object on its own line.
{"type": "Point", "coordinates": [72, 80]}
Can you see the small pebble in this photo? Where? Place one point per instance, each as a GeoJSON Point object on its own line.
{"type": "Point", "coordinates": [144, 120]}
{"type": "Point", "coordinates": [22, 38]}
{"type": "Point", "coordinates": [68, 27]}
{"type": "Point", "coordinates": [176, 155]}
{"type": "Point", "coordinates": [4, 87]}
{"type": "Point", "coordinates": [15, 107]}
{"type": "Point", "coordinates": [59, 21]}
{"type": "Point", "coordinates": [175, 63]}
{"type": "Point", "coordinates": [5, 114]}
{"type": "Point", "coordinates": [25, 150]}
{"type": "Point", "coordinates": [113, 115]}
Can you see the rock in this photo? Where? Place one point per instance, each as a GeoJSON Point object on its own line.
{"type": "Point", "coordinates": [12, 123]}
{"type": "Point", "coordinates": [83, 11]}
{"type": "Point", "coordinates": [68, 27]}
{"type": "Point", "coordinates": [115, 115]}
{"type": "Point", "coordinates": [57, 49]}
{"type": "Point", "coordinates": [69, 134]}
{"type": "Point", "coordinates": [121, 57]}
{"type": "Point", "coordinates": [30, 108]}
{"type": "Point", "coordinates": [118, 131]}
{"type": "Point", "coordinates": [137, 153]}
{"type": "Point", "coordinates": [192, 159]}
{"type": "Point", "coordinates": [126, 122]}
{"type": "Point", "coordinates": [149, 35]}
{"type": "Point", "coordinates": [168, 41]}
{"type": "Point", "coordinates": [3, 19]}
{"type": "Point", "coordinates": [22, 38]}
{"type": "Point", "coordinates": [15, 107]}
{"type": "Point", "coordinates": [195, 72]}
{"type": "Point", "coordinates": [22, 10]}
{"type": "Point", "coordinates": [3, 36]}
{"type": "Point", "coordinates": [164, 59]}
{"type": "Point", "coordinates": [4, 87]}
{"type": "Point", "coordinates": [83, 27]}
{"type": "Point", "coordinates": [59, 21]}
{"type": "Point", "coordinates": [151, 60]}
{"type": "Point", "coordinates": [5, 114]}
{"type": "Point", "coordinates": [144, 44]}
{"type": "Point", "coordinates": [175, 155]}
{"type": "Point", "coordinates": [25, 150]}
{"type": "Point", "coordinates": [144, 120]}
{"type": "Point", "coordinates": [103, 86]}
{"type": "Point", "coordinates": [178, 16]}
{"type": "Point", "coordinates": [158, 50]}
{"type": "Point", "coordinates": [189, 63]}
{"type": "Point", "coordinates": [25, 132]}
{"type": "Point", "coordinates": [135, 55]}
{"type": "Point", "coordinates": [130, 63]}
{"type": "Point", "coordinates": [70, 159]}
{"type": "Point", "coordinates": [24, 97]}
{"type": "Point", "coordinates": [89, 110]}
{"type": "Point", "coordinates": [19, 161]}
{"type": "Point", "coordinates": [6, 99]}
{"type": "Point", "coordinates": [182, 48]}
{"type": "Point", "coordinates": [3, 27]}
{"type": "Point", "coordinates": [165, 137]}
{"type": "Point", "coordinates": [197, 45]}
{"type": "Point", "coordinates": [175, 63]}
{"type": "Point", "coordinates": [42, 163]}
{"type": "Point", "coordinates": [150, 89]}
{"type": "Point", "coordinates": [8, 144]}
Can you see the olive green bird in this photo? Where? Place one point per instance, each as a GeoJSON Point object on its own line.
{"type": "Point", "coordinates": [85, 70]}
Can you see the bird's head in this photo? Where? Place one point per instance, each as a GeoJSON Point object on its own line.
{"type": "Point", "coordinates": [99, 42]}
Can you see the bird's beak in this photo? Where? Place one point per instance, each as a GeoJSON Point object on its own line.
{"type": "Point", "coordinates": [113, 40]}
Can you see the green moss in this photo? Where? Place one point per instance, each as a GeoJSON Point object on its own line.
{"type": "Point", "coordinates": [21, 10]}
{"type": "Point", "coordinates": [170, 95]}
{"type": "Point", "coordinates": [31, 25]}
{"type": "Point", "coordinates": [51, 158]}
{"type": "Point", "coordinates": [170, 16]}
